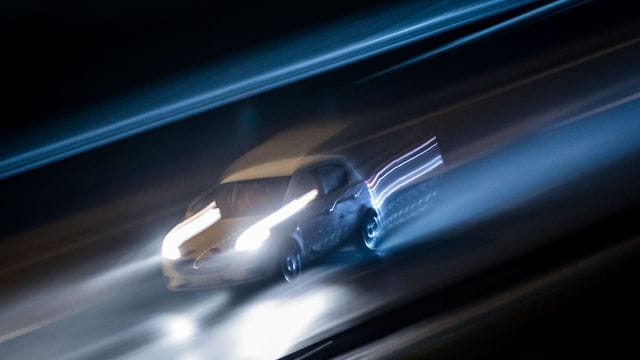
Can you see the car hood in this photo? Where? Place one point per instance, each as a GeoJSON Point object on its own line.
{"type": "Point", "coordinates": [220, 236]}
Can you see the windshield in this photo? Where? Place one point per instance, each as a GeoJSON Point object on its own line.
{"type": "Point", "coordinates": [244, 198]}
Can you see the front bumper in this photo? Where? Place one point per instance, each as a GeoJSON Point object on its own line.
{"type": "Point", "coordinates": [227, 268]}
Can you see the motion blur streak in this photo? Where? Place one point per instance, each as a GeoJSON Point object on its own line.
{"type": "Point", "coordinates": [428, 332]}
{"type": "Point", "coordinates": [178, 328]}
{"type": "Point", "coordinates": [339, 45]}
{"type": "Point", "coordinates": [401, 172]}
{"type": "Point", "coordinates": [268, 330]}
{"type": "Point", "coordinates": [66, 300]}
{"type": "Point", "coordinates": [597, 138]}
{"type": "Point", "coordinates": [560, 4]}
{"type": "Point", "coordinates": [188, 229]}
{"type": "Point", "coordinates": [382, 173]}
{"type": "Point", "coordinates": [407, 179]}
{"type": "Point", "coordinates": [253, 237]}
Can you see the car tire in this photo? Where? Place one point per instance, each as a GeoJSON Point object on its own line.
{"type": "Point", "coordinates": [369, 232]}
{"type": "Point", "coordinates": [291, 262]}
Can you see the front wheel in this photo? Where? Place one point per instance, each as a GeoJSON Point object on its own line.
{"type": "Point", "coordinates": [291, 262]}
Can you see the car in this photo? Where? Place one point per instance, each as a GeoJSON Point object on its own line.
{"type": "Point", "coordinates": [272, 214]}
{"type": "Point", "coordinates": [249, 228]}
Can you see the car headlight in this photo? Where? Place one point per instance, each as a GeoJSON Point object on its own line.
{"type": "Point", "coordinates": [187, 229]}
{"type": "Point", "coordinates": [254, 236]}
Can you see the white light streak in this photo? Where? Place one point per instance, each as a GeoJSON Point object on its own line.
{"type": "Point", "coordinates": [380, 175]}
{"type": "Point", "coordinates": [188, 229]}
{"type": "Point", "coordinates": [406, 179]}
{"type": "Point", "coordinates": [180, 328]}
{"type": "Point", "coordinates": [254, 236]}
{"type": "Point", "coordinates": [380, 191]}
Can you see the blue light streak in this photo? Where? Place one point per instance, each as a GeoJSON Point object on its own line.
{"type": "Point", "coordinates": [560, 4]}
{"type": "Point", "coordinates": [244, 76]}
{"type": "Point", "coordinates": [577, 150]}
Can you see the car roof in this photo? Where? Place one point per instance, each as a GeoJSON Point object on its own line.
{"type": "Point", "coordinates": [275, 168]}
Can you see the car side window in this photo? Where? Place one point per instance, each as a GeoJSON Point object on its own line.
{"type": "Point", "coordinates": [331, 177]}
{"type": "Point", "coordinates": [302, 184]}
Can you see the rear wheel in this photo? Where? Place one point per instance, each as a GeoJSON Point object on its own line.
{"type": "Point", "coordinates": [370, 230]}
{"type": "Point", "coordinates": [291, 262]}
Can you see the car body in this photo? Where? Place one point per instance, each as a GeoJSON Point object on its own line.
{"type": "Point", "coordinates": [292, 199]}
{"type": "Point", "coordinates": [249, 227]}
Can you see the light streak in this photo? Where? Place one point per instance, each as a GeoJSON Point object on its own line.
{"type": "Point", "coordinates": [254, 236]}
{"type": "Point", "coordinates": [373, 184]}
{"type": "Point", "coordinates": [401, 171]}
{"type": "Point", "coordinates": [357, 41]}
{"type": "Point", "coordinates": [406, 179]}
{"type": "Point", "coordinates": [187, 229]}
{"type": "Point", "coordinates": [475, 36]}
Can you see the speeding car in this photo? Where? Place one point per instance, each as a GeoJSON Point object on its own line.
{"type": "Point", "coordinates": [250, 227]}
{"type": "Point", "coordinates": [289, 201]}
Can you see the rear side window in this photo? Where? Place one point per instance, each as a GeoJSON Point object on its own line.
{"type": "Point", "coordinates": [331, 177]}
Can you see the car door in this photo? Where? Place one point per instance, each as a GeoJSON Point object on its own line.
{"type": "Point", "coordinates": [341, 200]}
{"type": "Point", "coordinates": [314, 224]}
